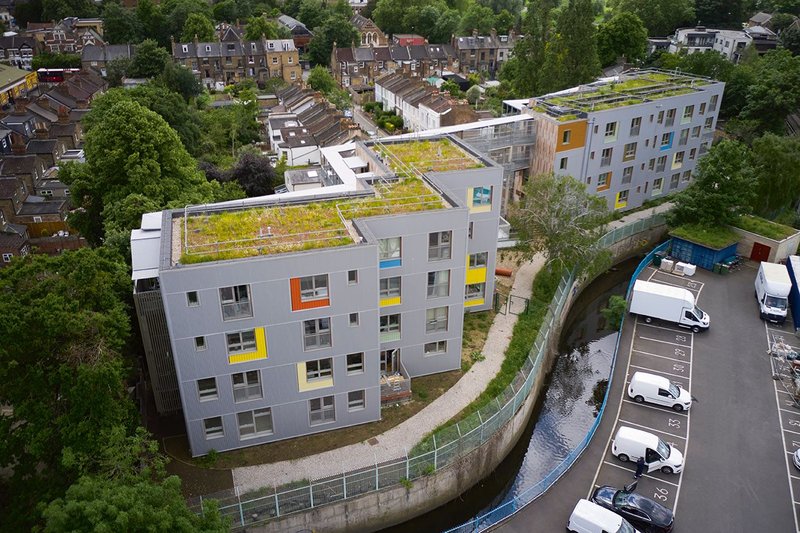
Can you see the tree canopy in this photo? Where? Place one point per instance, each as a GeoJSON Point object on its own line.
{"type": "Point", "coordinates": [198, 26]}
{"type": "Point", "coordinates": [571, 55]}
{"type": "Point", "coordinates": [148, 60]}
{"type": "Point", "coordinates": [661, 17]}
{"type": "Point", "coordinates": [336, 29]}
{"type": "Point", "coordinates": [623, 35]}
{"type": "Point", "coordinates": [560, 218]}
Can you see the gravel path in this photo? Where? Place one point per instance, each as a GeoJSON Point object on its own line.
{"type": "Point", "coordinates": [395, 443]}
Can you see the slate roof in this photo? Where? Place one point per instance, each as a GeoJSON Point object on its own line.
{"type": "Point", "coordinates": [221, 49]}
{"type": "Point", "coordinates": [9, 186]}
{"type": "Point", "coordinates": [93, 52]}
{"type": "Point", "coordinates": [17, 41]}
{"type": "Point", "coordinates": [36, 205]}
{"type": "Point", "coordinates": [15, 165]}
{"type": "Point", "coordinates": [42, 146]}
{"type": "Point", "coordinates": [363, 54]}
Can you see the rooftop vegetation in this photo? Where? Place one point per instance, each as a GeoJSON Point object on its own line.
{"type": "Point", "coordinates": [282, 228]}
{"type": "Point", "coordinates": [427, 156]}
{"type": "Point", "coordinates": [712, 237]}
{"type": "Point", "coordinates": [764, 227]}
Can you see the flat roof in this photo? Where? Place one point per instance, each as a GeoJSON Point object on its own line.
{"type": "Point", "coordinates": [434, 155]}
{"type": "Point", "coordinates": [629, 88]}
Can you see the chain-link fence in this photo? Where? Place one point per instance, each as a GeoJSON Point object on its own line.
{"type": "Point", "coordinates": [441, 449]}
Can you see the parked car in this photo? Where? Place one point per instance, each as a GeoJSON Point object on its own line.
{"type": "Point", "coordinates": [642, 512]}
{"type": "Point", "coordinates": [796, 458]}
{"type": "Point", "coordinates": [659, 390]}
{"type": "Point", "coordinates": [630, 444]}
{"type": "Point", "coordinates": [588, 517]}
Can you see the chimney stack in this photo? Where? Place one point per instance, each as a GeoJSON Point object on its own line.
{"type": "Point", "coordinates": [63, 115]}
{"type": "Point", "coordinates": [20, 106]}
{"type": "Point", "coordinates": [41, 131]}
{"type": "Point", "coordinates": [18, 144]}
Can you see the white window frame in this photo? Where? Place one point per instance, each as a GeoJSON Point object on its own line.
{"type": "Point", "coordinates": [436, 319]}
{"type": "Point", "coordinates": [319, 369]}
{"type": "Point", "coordinates": [390, 287]}
{"type": "Point", "coordinates": [389, 323]}
{"type": "Point", "coordinates": [212, 429]}
{"type": "Point", "coordinates": [323, 409]}
{"type": "Point", "coordinates": [475, 294]}
{"type": "Point", "coordinates": [251, 424]}
{"type": "Point", "coordinates": [241, 345]}
{"type": "Point", "coordinates": [390, 248]}
{"type": "Point", "coordinates": [353, 319]}
{"type": "Point", "coordinates": [7, 258]}
{"type": "Point", "coordinates": [434, 348]}
{"type": "Point", "coordinates": [479, 260]}
{"type": "Point", "coordinates": [321, 334]}
{"type": "Point", "coordinates": [208, 393]}
{"type": "Point", "coordinates": [356, 400]}
{"type": "Point", "coordinates": [200, 344]}
{"type": "Point", "coordinates": [440, 245]}
{"type": "Point", "coordinates": [313, 287]}
{"type": "Point", "coordinates": [193, 301]}
{"type": "Point", "coordinates": [246, 386]}
{"type": "Point", "coordinates": [352, 277]}
{"type": "Point", "coordinates": [235, 302]}
{"type": "Point", "coordinates": [480, 196]}
{"type": "Point", "coordinates": [356, 365]}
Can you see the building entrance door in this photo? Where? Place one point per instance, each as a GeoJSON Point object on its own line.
{"type": "Point", "coordinates": [390, 361]}
{"type": "Point", "coordinates": [760, 252]}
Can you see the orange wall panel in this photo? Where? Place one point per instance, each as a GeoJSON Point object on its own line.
{"type": "Point", "coordinates": [298, 304]}
{"type": "Point", "coordinates": [577, 136]}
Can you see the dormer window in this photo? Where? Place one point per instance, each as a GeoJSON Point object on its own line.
{"type": "Point", "coordinates": [208, 48]}
{"type": "Point", "coordinates": [252, 46]}
{"type": "Point", "coordinates": [185, 48]}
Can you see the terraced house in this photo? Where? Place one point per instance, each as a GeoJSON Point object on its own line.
{"type": "Point", "coordinates": [276, 317]}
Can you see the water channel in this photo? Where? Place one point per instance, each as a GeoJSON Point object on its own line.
{"type": "Point", "coordinates": [561, 417]}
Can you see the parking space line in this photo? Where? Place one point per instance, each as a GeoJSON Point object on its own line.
{"type": "Point", "coordinates": [688, 421]}
{"type": "Point", "coordinates": [643, 475]}
{"type": "Point", "coordinates": [659, 372]}
{"type": "Point", "coordinates": [793, 411]}
{"type": "Point", "coordinates": [661, 281]}
{"type": "Point", "coordinates": [785, 391]}
{"type": "Point", "coordinates": [661, 356]}
{"type": "Point", "coordinates": [665, 342]}
{"type": "Point", "coordinates": [790, 431]}
{"type": "Point", "coordinates": [659, 409]}
{"type": "Point", "coordinates": [682, 277]}
{"type": "Point", "coordinates": [678, 330]}
{"type": "Point", "coordinates": [652, 429]}
{"type": "Point", "coordinates": [794, 477]}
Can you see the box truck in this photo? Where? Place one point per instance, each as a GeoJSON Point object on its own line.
{"type": "Point", "coordinates": [793, 266]}
{"type": "Point", "coordinates": [666, 302]}
{"type": "Point", "coordinates": [773, 286]}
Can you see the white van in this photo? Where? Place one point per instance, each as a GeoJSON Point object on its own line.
{"type": "Point", "coordinates": [659, 390]}
{"type": "Point", "coordinates": [630, 444]}
{"type": "Point", "coordinates": [588, 517]}
{"type": "Point", "coordinates": [773, 286]}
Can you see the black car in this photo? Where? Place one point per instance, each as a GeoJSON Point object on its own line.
{"type": "Point", "coordinates": [642, 512]}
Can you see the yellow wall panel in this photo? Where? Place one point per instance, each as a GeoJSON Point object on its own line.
{"type": "Point", "coordinates": [304, 385]}
{"type": "Point", "coordinates": [386, 302]}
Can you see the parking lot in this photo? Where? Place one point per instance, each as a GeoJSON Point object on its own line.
{"type": "Point", "coordinates": [666, 350]}
{"type": "Point", "coordinates": [736, 438]}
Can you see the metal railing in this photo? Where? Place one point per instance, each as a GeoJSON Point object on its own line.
{"type": "Point", "coordinates": [443, 448]}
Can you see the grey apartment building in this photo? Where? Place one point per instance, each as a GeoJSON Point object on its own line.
{"type": "Point", "coordinates": [629, 138]}
{"type": "Point", "coordinates": [275, 317]}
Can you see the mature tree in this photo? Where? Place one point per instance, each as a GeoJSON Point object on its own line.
{"type": "Point", "coordinates": [790, 40]}
{"type": "Point", "coordinates": [571, 56]}
{"type": "Point", "coordinates": [148, 60]}
{"type": "Point", "coordinates": [258, 27]}
{"type": "Point", "coordinates": [320, 79]}
{"type": "Point", "coordinates": [660, 16]}
{"type": "Point", "coordinates": [451, 87]}
{"type": "Point", "coordinates": [153, 21]}
{"type": "Point", "coordinates": [719, 12]}
{"type": "Point", "coordinates": [59, 9]}
{"type": "Point", "coordinates": [226, 130]}
{"type": "Point", "coordinates": [226, 11]}
{"type": "Point", "coordinates": [511, 6]}
{"type": "Point", "coordinates": [782, 6]}
{"type": "Point", "coordinates": [776, 161]}
{"type": "Point", "coordinates": [722, 190]}
{"type": "Point", "coordinates": [313, 13]}
{"type": "Point", "coordinates": [775, 92]}
{"type": "Point", "coordinates": [342, 7]}
{"type": "Point", "coordinates": [254, 174]}
{"type": "Point", "coordinates": [25, 12]}
{"type": "Point", "coordinates": [623, 35]}
{"type": "Point", "coordinates": [477, 18]}
{"type": "Point", "coordinates": [473, 94]}
{"type": "Point", "coordinates": [96, 504]}
{"type": "Point", "coordinates": [131, 150]}
{"type": "Point", "coordinates": [336, 29]}
{"type": "Point", "coordinates": [116, 70]}
{"type": "Point", "coordinates": [780, 21]}
{"type": "Point", "coordinates": [67, 387]}
{"type": "Point", "coordinates": [120, 25]}
{"type": "Point", "coordinates": [560, 218]}
{"type": "Point", "coordinates": [390, 14]}
{"type": "Point", "coordinates": [522, 71]}
{"type": "Point", "coordinates": [198, 26]}
{"type": "Point", "coordinates": [55, 60]}
{"type": "Point", "coordinates": [180, 79]}
{"type": "Point", "coordinates": [177, 11]}
{"type": "Point", "coordinates": [505, 21]}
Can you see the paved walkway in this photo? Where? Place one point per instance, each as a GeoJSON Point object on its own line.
{"type": "Point", "coordinates": [395, 443]}
{"type": "Point", "coordinates": [639, 215]}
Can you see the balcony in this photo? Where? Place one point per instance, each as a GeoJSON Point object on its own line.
{"type": "Point", "coordinates": [395, 388]}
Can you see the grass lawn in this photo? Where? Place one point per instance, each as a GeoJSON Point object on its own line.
{"type": "Point", "coordinates": [716, 238]}
{"type": "Point", "coordinates": [764, 227]}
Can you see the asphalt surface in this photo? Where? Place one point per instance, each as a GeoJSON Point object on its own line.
{"type": "Point", "coordinates": [738, 476]}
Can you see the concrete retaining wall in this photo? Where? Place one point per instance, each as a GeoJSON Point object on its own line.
{"type": "Point", "coordinates": [394, 505]}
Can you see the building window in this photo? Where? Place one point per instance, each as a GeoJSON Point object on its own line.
{"type": "Point", "coordinates": [313, 287]}
{"type": "Point", "coordinates": [255, 423]}
{"type": "Point", "coordinates": [7, 258]}
{"type": "Point", "coordinates": [658, 184]}
{"type": "Point", "coordinates": [673, 182]}
{"type": "Point", "coordinates": [390, 287]}
{"type": "Point", "coordinates": [355, 363]}
{"type": "Point", "coordinates": [320, 369]}
{"type": "Point", "coordinates": [293, 75]}
{"type": "Point", "coordinates": [603, 181]}
{"type": "Point", "coordinates": [274, 60]}
{"type": "Point", "coordinates": [662, 164]}
{"type": "Point", "coordinates": [562, 165]}
{"type": "Point", "coordinates": [622, 198]}
{"type": "Point", "coordinates": [207, 389]}
{"type": "Point", "coordinates": [474, 291]}
{"type": "Point", "coordinates": [235, 302]}
{"type": "Point", "coordinates": [436, 319]}
{"type": "Point", "coordinates": [192, 299]}
{"type": "Point", "coordinates": [611, 131]}
{"type": "Point", "coordinates": [630, 152]}
{"type": "Point", "coordinates": [688, 113]}
{"type": "Point", "coordinates": [438, 284]}
{"type": "Point", "coordinates": [695, 132]}
{"type": "Point", "coordinates": [481, 196]}
{"type": "Point", "coordinates": [660, 117]}
{"type": "Point", "coordinates": [439, 244]}
{"type": "Point", "coordinates": [321, 410]}
{"type": "Point", "coordinates": [651, 164]}
{"type": "Point", "coordinates": [355, 400]}
{"type": "Point", "coordinates": [636, 124]}
{"type": "Point", "coordinates": [679, 158]}
{"type": "Point", "coordinates": [246, 386]}
{"type": "Point", "coordinates": [692, 153]}
{"type": "Point", "coordinates": [665, 139]}
{"type": "Point", "coordinates": [433, 348]}
{"type": "Point", "coordinates": [390, 328]}
{"type": "Point", "coordinates": [566, 136]}
{"type": "Point", "coordinates": [478, 260]}
{"type": "Point", "coordinates": [684, 138]}
{"type": "Point", "coordinates": [670, 117]}
{"type": "Point", "coordinates": [712, 106]}
{"type": "Point", "coordinates": [702, 109]}
{"type": "Point", "coordinates": [627, 174]}
{"type": "Point", "coordinates": [709, 123]}
{"type": "Point", "coordinates": [605, 158]}
{"type": "Point", "coordinates": [687, 176]}
{"type": "Point", "coordinates": [316, 333]}
{"type": "Point", "coordinates": [353, 319]}
{"type": "Point", "coordinates": [389, 248]}
{"type": "Point", "coordinates": [213, 427]}
{"type": "Point", "coordinates": [37, 219]}
{"type": "Point", "coordinates": [352, 277]}
{"type": "Point", "coordinates": [241, 341]}
{"type": "Point", "coordinates": [199, 344]}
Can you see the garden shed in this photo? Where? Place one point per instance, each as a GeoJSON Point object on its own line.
{"type": "Point", "coordinates": [762, 240]}
{"type": "Point", "coordinates": [703, 247]}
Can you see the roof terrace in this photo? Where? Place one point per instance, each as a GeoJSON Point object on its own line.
{"type": "Point", "coordinates": [631, 88]}
{"type": "Point", "coordinates": [208, 235]}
